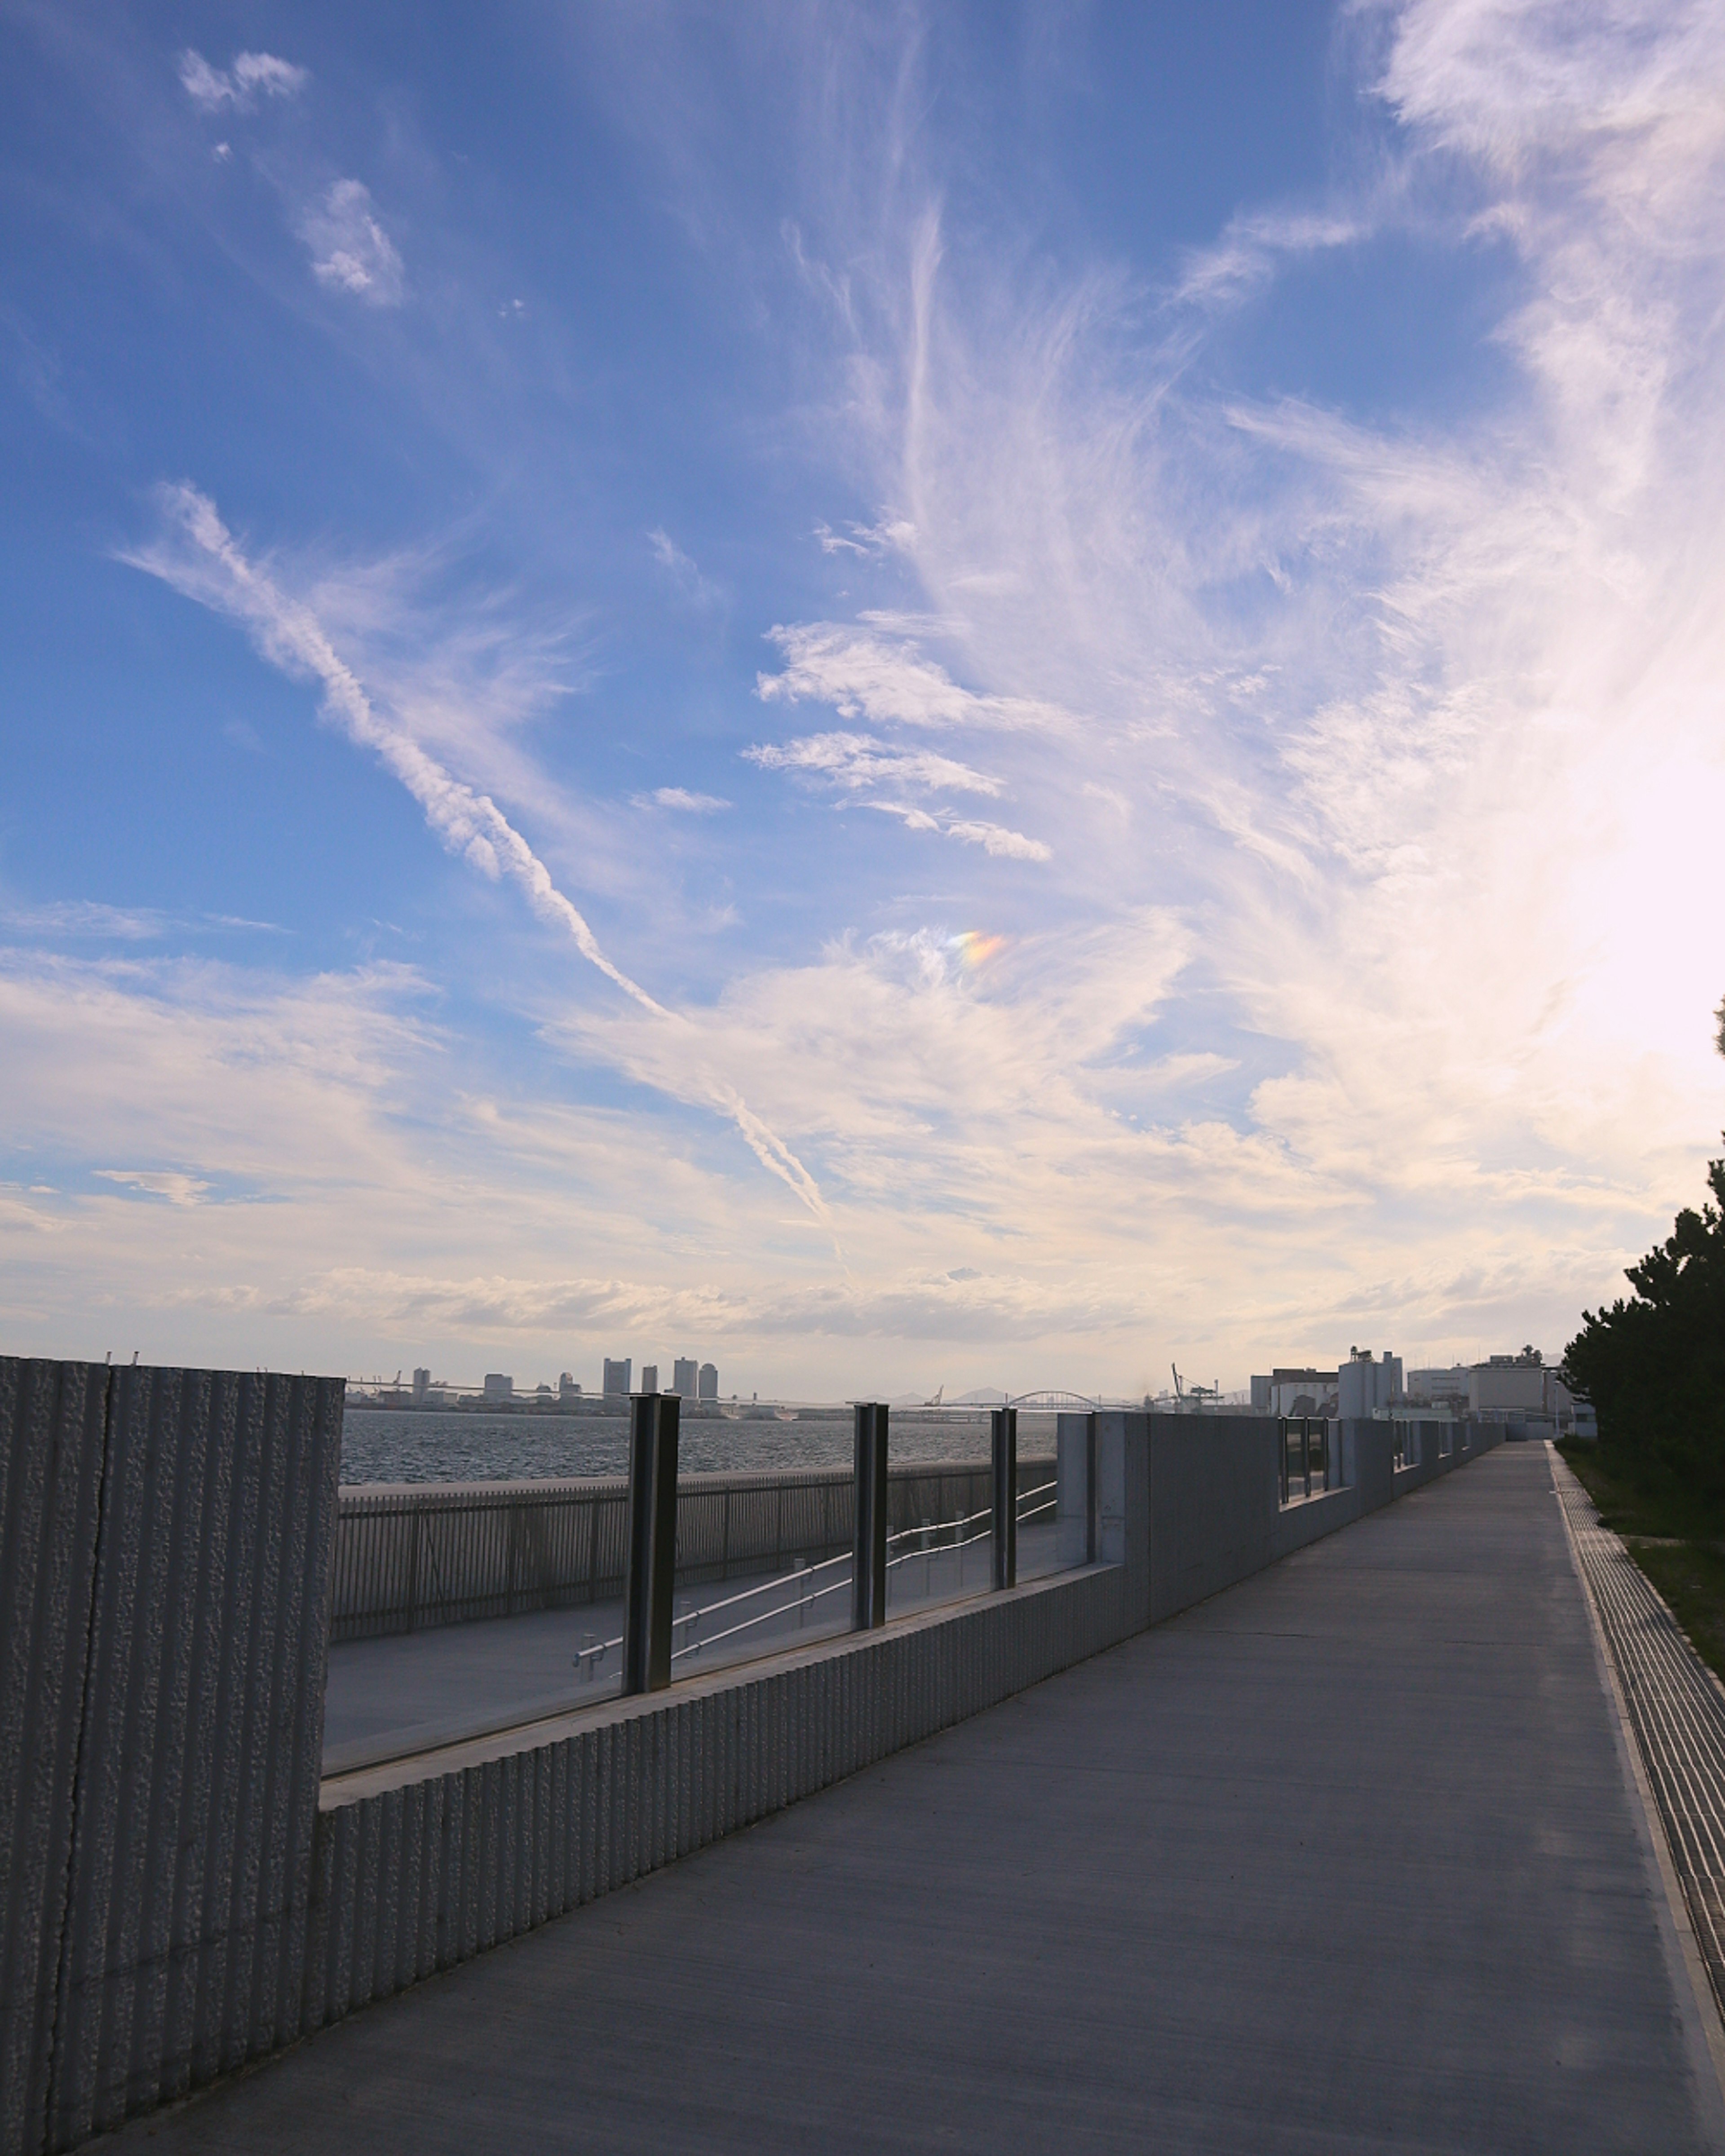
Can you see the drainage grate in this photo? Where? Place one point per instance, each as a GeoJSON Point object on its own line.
{"type": "Point", "coordinates": [1678, 1711]}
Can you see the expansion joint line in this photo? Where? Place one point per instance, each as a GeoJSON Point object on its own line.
{"type": "Point", "coordinates": [1675, 1707]}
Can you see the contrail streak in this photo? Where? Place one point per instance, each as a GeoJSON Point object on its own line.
{"type": "Point", "coordinates": [202, 560]}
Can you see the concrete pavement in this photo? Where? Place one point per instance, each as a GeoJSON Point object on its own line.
{"type": "Point", "coordinates": [1345, 1859]}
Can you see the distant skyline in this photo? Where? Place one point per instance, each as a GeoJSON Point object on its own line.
{"type": "Point", "coordinates": [980, 696]}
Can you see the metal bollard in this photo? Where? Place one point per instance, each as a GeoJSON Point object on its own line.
{"type": "Point", "coordinates": [651, 1572]}
{"type": "Point", "coordinates": [1005, 1425]}
{"type": "Point", "coordinates": [868, 1570]}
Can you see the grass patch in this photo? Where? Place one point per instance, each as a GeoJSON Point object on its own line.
{"type": "Point", "coordinates": [1675, 1542]}
{"type": "Point", "coordinates": [1691, 1576]}
{"type": "Point", "coordinates": [1631, 1508]}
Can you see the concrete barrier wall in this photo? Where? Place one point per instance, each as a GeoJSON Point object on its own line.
{"type": "Point", "coordinates": [408, 1558]}
{"type": "Point", "coordinates": [166, 1539]}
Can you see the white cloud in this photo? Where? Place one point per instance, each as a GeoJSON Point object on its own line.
{"type": "Point", "coordinates": [879, 672]}
{"type": "Point", "coordinates": [697, 588]}
{"type": "Point", "coordinates": [177, 1187]}
{"type": "Point", "coordinates": [252, 75]}
{"type": "Point", "coordinates": [995, 838]}
{"type": "Point", "coordinates": [84, 916]}
{"type": "Point", "coordinates": [350, 250]}
{"type": "Point", "coordinates": [855, 761]}
{"type": "Point", "coordinates": [869, 543]}
{"type": "Point", "coordinates": [681, 799]}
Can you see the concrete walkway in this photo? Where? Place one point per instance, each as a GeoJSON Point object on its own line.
{"type": "Point", "coordinates": [1346, 1858]}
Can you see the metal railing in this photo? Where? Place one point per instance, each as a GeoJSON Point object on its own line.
{"type": "Point", "coordinates": [932, 1538]}
{"type": "Point", "coordinates": [446, 1554]}
{"type": "Point", "coordinates": [1305, 1457]}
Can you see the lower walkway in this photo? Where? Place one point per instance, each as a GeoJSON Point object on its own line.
{"type": "Point", "coordinates": [1345, 1859]}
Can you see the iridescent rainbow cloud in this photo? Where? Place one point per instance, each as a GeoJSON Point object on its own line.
{"type": "Point", "coordinates": [974, 948]}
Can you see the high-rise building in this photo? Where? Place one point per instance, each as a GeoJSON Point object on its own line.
{"type": "Point", "coordinates": [422, 1386]}
{"type": "Point", "coordinates": [567, 1389]}
{"type": "Point", "coordinates": [707, 1384]}
{"type": "Point", "coordinates": [650, 1377]}
{"type": "Point", "coordinates": [499, 1387]}
{"type": "Point", "coordinates": [683, 1377]}
{"type": "Point", "coordinates": [617, 1375]}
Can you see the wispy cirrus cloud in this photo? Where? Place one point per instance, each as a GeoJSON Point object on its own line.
{"type": "Point", "coordinates": [350, 250]}
{"type": "Point", "coordinates": [238, 87]}
{"type": "Point", "coordinates": [878, 670]}
{"type": "Point", "coordinates": [173, 1185]}
{"type": "Point", "coordinates": [699, 591]}
{"type": "Point", "coordinates": [855, 761]}
{"type": "Point", "coordinates": [1370, 766]}
{"type": "Point", "coordinates": [681, 801]}
{"type": "Point", "coordinates": [198, 555]}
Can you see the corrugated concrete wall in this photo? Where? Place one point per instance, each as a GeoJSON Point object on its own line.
{"type": "Point", "coordinates": [410, 1558]}
{"type": "Point", "coordinates": [166, 1539]}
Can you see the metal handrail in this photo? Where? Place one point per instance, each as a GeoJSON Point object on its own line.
{"type": "Point", "coordinates": [803, 1600]}
{"type": "Point", "coordinates": [766, 1586]}
{"type": "Point", "coordinates": [940, 1527]}
{"type": "Point", "coordinates": [940, 1549]}
{"type": "Point", "coordinates": [748, 1623]}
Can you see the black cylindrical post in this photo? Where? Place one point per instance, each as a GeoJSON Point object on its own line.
{"type": "Point", "coordinates": [651, 1572]}
{"type": "Point", "coordinates": [1005, 1426]}
{"type": "Point", "coordinates": [868, 1572]}
{"type": "Point", "coordinates": [1091, 1507]}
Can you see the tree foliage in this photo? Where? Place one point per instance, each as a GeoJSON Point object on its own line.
{"type": "Point", "coordinates": [1654, 1366]}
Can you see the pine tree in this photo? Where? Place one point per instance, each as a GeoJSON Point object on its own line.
{"type": "Point", "coordinates": [1654, 1366]}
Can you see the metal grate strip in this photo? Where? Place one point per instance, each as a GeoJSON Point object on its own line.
{"type": "Point", "coordinates": [1677, 1709]}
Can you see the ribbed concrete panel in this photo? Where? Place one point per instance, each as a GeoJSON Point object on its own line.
{"type": "Point", "coordinates": [172, 1942]}
{"type": "Point", "coordinates": [53, 1435]}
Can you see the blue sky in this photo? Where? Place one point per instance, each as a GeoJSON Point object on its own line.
{"type": "Point", "coordinates": [977, 695]}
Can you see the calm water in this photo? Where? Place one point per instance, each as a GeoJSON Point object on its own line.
{"type": "Point", "coordinates": [384, 1445]}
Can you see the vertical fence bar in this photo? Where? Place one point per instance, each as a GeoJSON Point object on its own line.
{"type": "Point", "coordinates": [1281, 1448]}
{"type": "Point", "coordinates": [1306, 1451]}
{"type": "Point", "coordinates": [868, 1570]}
{"type": "Point", "coordinates": [1005, 1429]}
{"type": "Point", "coordinates": [1089, 1479]}
{"type": "Point", "coordinates": [652, 1542]}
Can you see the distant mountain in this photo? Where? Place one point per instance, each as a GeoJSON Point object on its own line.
{"type": "Point", "coordinates": [984, 1396]}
